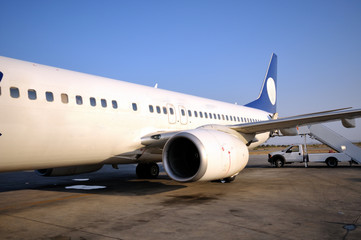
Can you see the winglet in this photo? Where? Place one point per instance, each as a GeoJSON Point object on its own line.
{"type": "Point", "coordinates": [267, 99]}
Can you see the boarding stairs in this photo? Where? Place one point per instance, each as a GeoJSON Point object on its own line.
{"type": "Point", "coordinates": [335, 141]}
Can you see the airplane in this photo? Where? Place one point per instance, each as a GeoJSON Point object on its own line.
{"type": "Point", "coordinates": [60, 122]}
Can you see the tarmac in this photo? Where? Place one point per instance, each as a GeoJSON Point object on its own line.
{"type": "Point", "coordinates": [263, 202]}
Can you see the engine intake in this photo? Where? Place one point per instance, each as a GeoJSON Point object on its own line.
{"type": "Point", "coordinates": [204, 155]}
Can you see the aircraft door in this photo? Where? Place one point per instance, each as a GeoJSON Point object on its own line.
{"type": "Point", "coordinates": [172, 118]}
{"type": "Point", "coordinates": [183, 115]}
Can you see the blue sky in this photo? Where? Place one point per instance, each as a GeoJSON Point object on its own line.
{"type": "Point", "coordinates": [213, 49]}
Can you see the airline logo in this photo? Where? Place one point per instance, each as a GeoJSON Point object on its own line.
{"type": "Point", "coordinates": [271, 90]}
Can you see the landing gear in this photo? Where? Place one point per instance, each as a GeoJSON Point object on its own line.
{"type": "Point", "coordinates": [147, 170]}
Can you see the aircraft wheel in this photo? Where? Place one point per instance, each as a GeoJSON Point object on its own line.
{"type": "Point", "coordinates": [147, 170]}
{"type": "Point", "coordinates": [140, 170]}
{"type": "Point", "coordinates": [153, 170]}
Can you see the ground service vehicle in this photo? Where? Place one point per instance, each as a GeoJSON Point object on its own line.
{"type": "Point", "coordinates": [295, 153]}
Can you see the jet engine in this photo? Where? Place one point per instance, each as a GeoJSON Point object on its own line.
{"type": "Point", "coordinates": [66, 171]}
{"type": "Point", "coordinates": [204, 155]}
{"type": "Point", "coordinates": [289, 131]}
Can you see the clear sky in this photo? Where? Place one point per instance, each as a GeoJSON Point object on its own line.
{"type": "Point", "coordinates": [213, 49]}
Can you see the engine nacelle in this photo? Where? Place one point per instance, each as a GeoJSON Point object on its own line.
{"type": "Point", "coordinates": [66, 171]}
{"type": "Point", "coordinates": [204, 155]}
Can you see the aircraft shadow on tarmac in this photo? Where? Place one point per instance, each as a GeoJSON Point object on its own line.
{"type": "Point", "coordinates": [119, 182]}
{"type": "Point", "coordinates": [102, 182]}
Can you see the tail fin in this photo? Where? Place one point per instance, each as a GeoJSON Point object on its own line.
{"type": "Point", "coordinates": [267, 99]}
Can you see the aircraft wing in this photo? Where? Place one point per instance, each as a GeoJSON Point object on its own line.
{"type": "Point", "coordinates": [158, 139]}
{"type": "Point", "coordinates": [290, 122]}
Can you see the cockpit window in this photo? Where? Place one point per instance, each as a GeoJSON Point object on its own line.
{"type": "Point", "coordinates": [1, 76]}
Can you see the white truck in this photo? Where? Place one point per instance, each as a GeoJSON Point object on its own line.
{"type": "Point", "coordinates": [295, 153]}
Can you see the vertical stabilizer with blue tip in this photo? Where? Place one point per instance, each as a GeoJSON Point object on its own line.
{"type": "Point", "coordinates": [267, 99]}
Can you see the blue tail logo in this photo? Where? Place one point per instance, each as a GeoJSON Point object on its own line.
{"type": "Point", "coordinates": [267, 99]}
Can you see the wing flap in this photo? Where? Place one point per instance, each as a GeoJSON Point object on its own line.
{"type": "Point", "coordinates": [289, 122]}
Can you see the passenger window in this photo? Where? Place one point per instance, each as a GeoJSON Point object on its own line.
{"type": "Point", "coordinates": [222, 117]}
{"type": "Point", "coordinates": [210, 115]}
{"type": "Point", "coordinates": [171, 111]}
{"type": "Point", "coordinates": [227, 117]}
{"type": "Point", "coordinates": [134, 106]}
{"type": "Point", "coordinates": [78, 100]}
{"type": "Point", "coordinates": [49, 96]}
{"type": "Point", "coordinates": [103, 102]}
{"type": "Point", "coordinates": [64, 98]}
{"type": "Point", "coordinates": [214, 116]}
{"type": "Point", "coordinates": [201, 114]}
{"type": "Point", "coordinates": [114, 104]}
{"type": "Point", "coordinates": [151, 109]}
{"type": "Point", "coordinates": [205, 115]}
{"type": "Point", "coordinates": [93, 102]}
{"type": "Point", "coordinates": [158, 109]}
{"type": "Point", "coordinates": [31, 94]}
{"type": "Point", "coordinates": [183, 112]}
{"type": "Point", "coordinates": [195, 114]}
{"type": "Point", "coordinates": [219, 117]}
{"type": "Point", "coordinates": [190, 113]}
{"type": "Point", "coordinates": [238, 119]}
{"type": "Point", "coordinates": [14, 92]}
{"type": "Point", "coordinates": [164, 110]}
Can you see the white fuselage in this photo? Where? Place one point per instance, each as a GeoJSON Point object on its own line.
{"type": "Point", "coordinates": [39, 133]}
